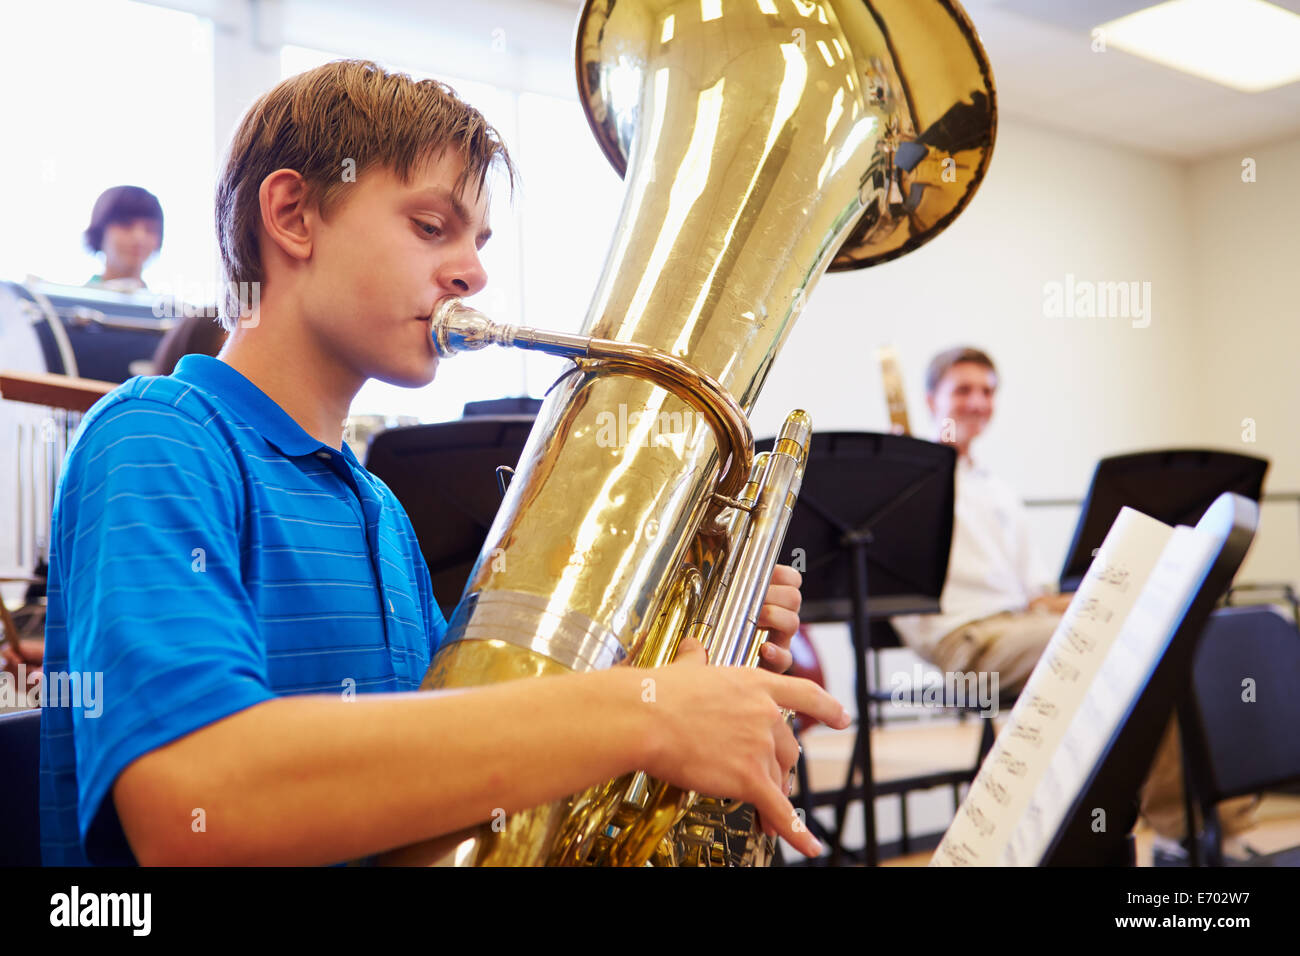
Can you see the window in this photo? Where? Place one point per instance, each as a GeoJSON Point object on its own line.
{"type": "Point", "coordinates": [570, 200]}
{"type": "Point", "coordinates": [547, 249]}
{"type": "Point", "coordinates": [125, 98]}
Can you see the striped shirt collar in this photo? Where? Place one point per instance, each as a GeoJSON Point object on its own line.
{"type": "Point", "coordinates": [256, 409]}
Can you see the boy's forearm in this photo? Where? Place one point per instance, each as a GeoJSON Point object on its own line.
{"type": "Point", "coordinates": [314, 780]}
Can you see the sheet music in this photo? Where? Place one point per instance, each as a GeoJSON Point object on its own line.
{"type": "Point", "coordinates": [1005, 799]}
{"type": "Point", "coordinates": [1128, 665]}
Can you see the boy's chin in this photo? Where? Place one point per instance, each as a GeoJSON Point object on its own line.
{"type": "Point", "coordinates": [412, 377]}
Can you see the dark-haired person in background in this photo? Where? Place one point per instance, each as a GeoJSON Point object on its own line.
{"type": "Point", "coordinates": [126, 225]}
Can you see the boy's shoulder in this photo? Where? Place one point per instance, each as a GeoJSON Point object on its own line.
{"type": "Point", "coordinates": [154, 418]}
{"type": "Point", "coordinates": [153, 393]}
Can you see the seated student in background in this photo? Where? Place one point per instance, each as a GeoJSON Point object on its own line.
{"type": "Point", "coordinates": [998, 606]}
{"type": "Point", "coordinates": [257, 602]}
{"type": "Point", "coordinates": [126, 225]}
{"type": "Point", "coordinates": [998, 612]}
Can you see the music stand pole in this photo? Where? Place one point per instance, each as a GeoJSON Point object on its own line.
{"type": "Point", "coordinates": [857, 541]}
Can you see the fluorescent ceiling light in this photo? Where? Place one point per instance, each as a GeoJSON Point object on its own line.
{"type": "Point", "coordinates": [1248, 45]}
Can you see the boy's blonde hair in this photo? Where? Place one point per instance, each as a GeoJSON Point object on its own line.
{"type": "Point", "coordinates": [330, 124]}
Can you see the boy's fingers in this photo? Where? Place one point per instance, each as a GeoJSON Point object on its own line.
{"type": "Point", "coordinates": [784, 595]}
{"type": "Point", "coordinates": [775, 658]}
{"type": "Point", "coordinates": [779, 813]}
{"type": "Point", "coordinates": [691, 651]}
{"type": "Point", "coordinates": [784, 574]}
{"type": "Point", "coordinates": [781, 621]}
{"type": "Point", "coordinates": [787, 752]}
{"type": "Point", "coordinates": [805, 697]}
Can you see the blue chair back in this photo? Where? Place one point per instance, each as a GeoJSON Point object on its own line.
{"type": "Point", "coordinates": [1247, 693]}
{"type": "Point", "coordinates": [20, 760]}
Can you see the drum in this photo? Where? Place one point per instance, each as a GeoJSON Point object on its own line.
{"type": "Point", "coordinates": [93, 333]}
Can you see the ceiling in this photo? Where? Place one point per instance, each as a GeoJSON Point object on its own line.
{"type": "Point", "coordinates": [1046, 71]}
{"type": "Point", "coordinates": [1048, 74]}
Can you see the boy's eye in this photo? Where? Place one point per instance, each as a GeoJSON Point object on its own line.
{"type": "Point", "coordinates": [428, 228]}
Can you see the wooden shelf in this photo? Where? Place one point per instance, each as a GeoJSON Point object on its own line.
{"type": "Point", "coordinates": [55, 391]}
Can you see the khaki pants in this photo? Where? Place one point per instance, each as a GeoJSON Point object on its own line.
{"type": "Point", "coordinates": [1009, 644]}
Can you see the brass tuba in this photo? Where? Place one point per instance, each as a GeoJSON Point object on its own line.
{"type": "Point", "coordinates": [762, 142]}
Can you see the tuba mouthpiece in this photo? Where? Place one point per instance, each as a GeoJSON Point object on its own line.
{"type": "Point", "coordinates": [455, 328]}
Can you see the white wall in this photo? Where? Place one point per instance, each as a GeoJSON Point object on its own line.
{"type": "Point", "coordinates": [1223, 344]}
{"type": "Point", "coordinates": [1075, 390]}
{"type": "Point", "coordinates": [1243, 266]}
{"type": "Point", "coordinates": [1071, 389]}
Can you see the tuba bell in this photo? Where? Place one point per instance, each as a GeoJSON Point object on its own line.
{"type": "Point", "coordinates": [762, 142]}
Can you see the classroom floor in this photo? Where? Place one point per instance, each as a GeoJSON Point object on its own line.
{"type": "Point", "coordinates": [906, 750]}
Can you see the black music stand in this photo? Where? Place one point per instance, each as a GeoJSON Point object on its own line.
{"type": "Point", "coordinates": [445, 477]}
{"type": "Point", "coordinates": [1116, 778]}
{"type": "Point", "coordinates": [1174, 486]}
{"type": "Point", "coordinates": [518, 405]}
{"type": "Point", "coordinates": [879, 507]}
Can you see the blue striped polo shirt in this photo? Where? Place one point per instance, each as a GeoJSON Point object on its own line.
{"type": "Point", "coordinates": [208, 554]}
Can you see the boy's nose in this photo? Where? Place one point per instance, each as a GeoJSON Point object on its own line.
{"type": "Point", "coordinates": [467, 276]}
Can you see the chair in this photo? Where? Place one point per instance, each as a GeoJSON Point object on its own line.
{"type": "Point", "coordinates": [882, 636]}
{"type": "Point", "coordinates": [29, 650]}
{"type": "Point", "coordinates": [1264, 593]}
{"type": "Point", "coordinates": [20, 819]}
{"type": "Point", "coordinates": [1242, 736]}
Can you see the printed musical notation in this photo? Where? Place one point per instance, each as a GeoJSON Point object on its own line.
{"type": "Point", "coordinates": [996, 790]}
{"type": "Point", "coordinates": [1021, 790]}
{"type": "Point", "coordinates": [959, 854]}
{"type": "Point", "coordinates": [1026, 732]}
{"type": "Point", "coordinates": [1143, 633]}
{"type": "Point", "coordinates": [1091, 609]}
{"type": "Point", "coordinates": [1062, 668]}
{"type": "Point", "coordinates": [1079, 641]}
{"type": "Point", "coordinates": [1116, 575]}
{"type": "Point", "coordinates": [983, 825]}
{"type": "Point", "coordinates": [1042, 705]}
{"type": "Point", "coordinates": [1012, 764]}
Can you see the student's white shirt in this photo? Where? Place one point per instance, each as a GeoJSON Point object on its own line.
{"type": "Point", "coordinates": [994, 565]}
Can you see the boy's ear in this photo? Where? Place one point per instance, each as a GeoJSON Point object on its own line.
{"type": "Point", "coordinates": [282, 199]}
